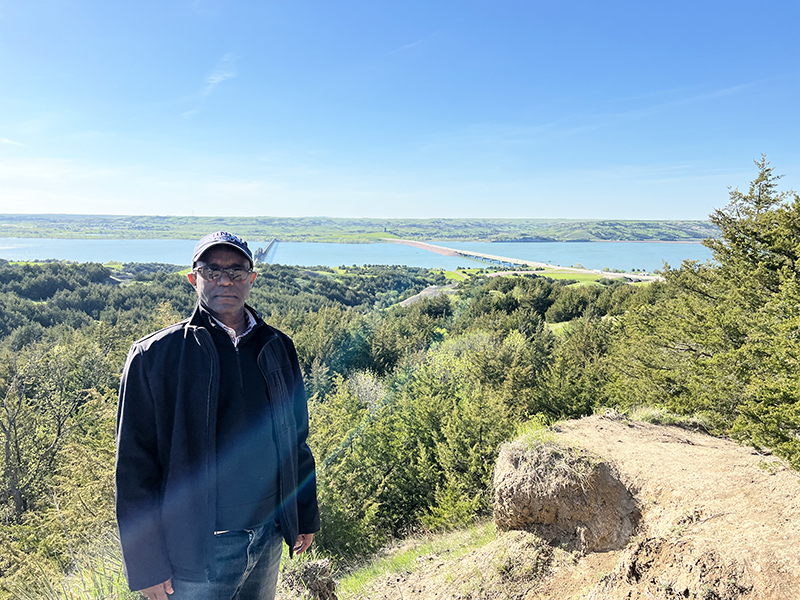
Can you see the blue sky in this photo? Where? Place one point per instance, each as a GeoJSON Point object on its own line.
{"type": "Point", "coordinates": [385, 108]}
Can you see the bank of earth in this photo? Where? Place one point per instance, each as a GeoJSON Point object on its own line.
{"type": "Point", "coordinates": [713, 520]}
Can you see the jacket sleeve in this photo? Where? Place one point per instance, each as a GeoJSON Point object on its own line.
{"type": "Point", "coordinates": [307, 508]}
{"type": "Point", "coordinates": [138, 479]}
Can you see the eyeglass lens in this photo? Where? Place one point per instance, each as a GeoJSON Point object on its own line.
{"type": "Point", "coordinates": [214, 273]}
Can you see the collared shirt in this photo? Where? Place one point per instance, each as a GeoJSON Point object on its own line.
{"type": "Point", "coordinates": [251, 322]}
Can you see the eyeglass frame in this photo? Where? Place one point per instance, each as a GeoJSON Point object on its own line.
{"type": "Point", "coordinates": [201, 270]}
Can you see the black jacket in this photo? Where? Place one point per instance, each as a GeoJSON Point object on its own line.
{"type": "Point", "coordinates": [166, 450]}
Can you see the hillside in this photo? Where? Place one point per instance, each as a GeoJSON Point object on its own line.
{"type": "Point", "coordinates": [718, 521]}
{"type": "Point", "coordinates": [325, 229]}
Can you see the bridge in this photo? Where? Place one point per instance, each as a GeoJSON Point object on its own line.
{"type": "Point", "coordinates": [502, 261]}
{"type": "Point", "coordinates": [505, 261]}
{"type": "Point", "coordinates": [260, 255]}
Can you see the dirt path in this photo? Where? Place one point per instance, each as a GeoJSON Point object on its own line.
{"type": "Point", "coordinates": [703, 499]}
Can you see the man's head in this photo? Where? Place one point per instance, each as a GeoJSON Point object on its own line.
{"type": "Point", "coordinates": [222, 275]}
{"type": "Point", "coordinates": [221, 238]}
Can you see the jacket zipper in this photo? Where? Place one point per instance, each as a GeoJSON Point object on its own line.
{"type": "Point", "coordinates": [211, 518]}
{"type": "Point", "coordinates": [239, 367]}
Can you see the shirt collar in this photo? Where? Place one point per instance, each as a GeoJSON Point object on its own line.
{"type": "Point", "coordinates": [251, 322]}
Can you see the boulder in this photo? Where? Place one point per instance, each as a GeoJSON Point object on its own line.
{"type": "Point", "coordinates": [567, 496]}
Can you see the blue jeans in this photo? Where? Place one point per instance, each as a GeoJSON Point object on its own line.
{"type": "Point", "coordinates": [247, 565]}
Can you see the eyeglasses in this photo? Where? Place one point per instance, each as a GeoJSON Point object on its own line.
{"type": "Point", "coordinates": [214, 273]}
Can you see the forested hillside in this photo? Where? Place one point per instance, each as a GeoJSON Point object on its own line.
{"type": "Point", "coordinates": [408, 403]}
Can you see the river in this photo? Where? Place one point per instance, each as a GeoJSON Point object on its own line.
{"type": "Point", "coordinates": [625, 256]}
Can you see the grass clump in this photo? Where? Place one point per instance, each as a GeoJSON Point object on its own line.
{"type": "Point", "coordinates": [548, 466]}
{"type": "Point", "coordinates": [534, 432]}
{"type": "Point", "coordinates": [97, 575]}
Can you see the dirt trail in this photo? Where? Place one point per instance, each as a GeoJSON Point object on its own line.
{"type": "Point", "coordinates": [703, 499]}
{"type": "Point", "coordinates": [719, 521]}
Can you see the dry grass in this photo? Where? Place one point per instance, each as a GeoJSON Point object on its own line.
{"type": "Point", "coordinates": [548, 465]}
{"type": "Point", "coordinates": [509, 567]}
{"type": "Point", "coordinates": [409, 556]}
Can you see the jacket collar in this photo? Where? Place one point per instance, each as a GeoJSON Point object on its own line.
{"type": "Point", "coordinates": [201, 317]}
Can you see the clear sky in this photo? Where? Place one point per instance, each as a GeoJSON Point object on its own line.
{"type": "Point", "coordinates": [394, 108]}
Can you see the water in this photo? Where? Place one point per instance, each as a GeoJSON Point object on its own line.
{"type": "Point", "coordinates": [334, 255]}
{"type": "Point", "coordinates": [625, 256]}
{"type": "Point", "coordinates": [164, 251]}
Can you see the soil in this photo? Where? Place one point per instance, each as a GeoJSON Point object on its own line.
{"type": "Point", "coordinates": [430, 292]}
{"type": "Point", "coordinates": [716, 521]}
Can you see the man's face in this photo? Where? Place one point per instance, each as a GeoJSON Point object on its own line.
{"type": "Point", "coordinates": [223, 297]}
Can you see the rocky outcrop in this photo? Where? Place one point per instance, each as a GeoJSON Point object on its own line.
{"type": "Point", "coordinates": [567, 496]}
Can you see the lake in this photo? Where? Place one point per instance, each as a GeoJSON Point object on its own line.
{"type": "Point", "coordinates": [646, 256]}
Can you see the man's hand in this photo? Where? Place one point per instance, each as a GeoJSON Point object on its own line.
{"type": "Point", "coordinates": [160, 591]}
{"type": "Point", "coordinates": [303, 542]}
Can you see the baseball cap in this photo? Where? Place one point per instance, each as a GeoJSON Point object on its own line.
{"type": "Point", "coordinates": [221, 238]}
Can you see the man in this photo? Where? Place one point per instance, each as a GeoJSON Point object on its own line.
{"type": "Point", "coordinates": [213, 470]}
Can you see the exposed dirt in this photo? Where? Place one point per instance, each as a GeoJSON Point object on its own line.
{"type": "Point", "coordinates": [430, 292]}
{"type": "Point", "coordinates": [716, 521]}
{"type": "Point", "coordinates": [719, 520]}
{"type": "Point", "coordinates": [567, 496]}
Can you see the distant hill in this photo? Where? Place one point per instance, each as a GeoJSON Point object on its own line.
{"type": "Point", "coordinates": [324, 229]}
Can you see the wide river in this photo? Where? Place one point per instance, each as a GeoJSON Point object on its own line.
{"type": "Point", "coordinates": [626, 256]}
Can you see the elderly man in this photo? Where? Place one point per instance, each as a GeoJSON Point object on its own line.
{"type": "Point", "coordinates": [213, 470]}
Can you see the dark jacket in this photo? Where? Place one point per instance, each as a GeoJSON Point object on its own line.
{"type": "Point", "coordinates": [166, 450]}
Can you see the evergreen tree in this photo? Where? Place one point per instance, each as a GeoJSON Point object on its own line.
{"type": "Point", "coordinates": [720, 338]}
